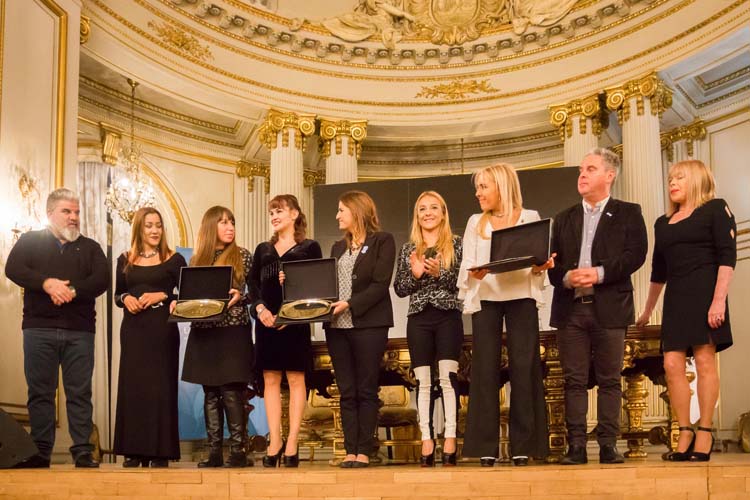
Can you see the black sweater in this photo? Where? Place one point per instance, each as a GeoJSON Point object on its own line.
{"type": "Point", "coordinates": [37, 256]}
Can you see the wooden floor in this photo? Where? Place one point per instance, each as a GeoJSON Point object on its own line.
{"type": "Point", "coordinates": [726, 476]}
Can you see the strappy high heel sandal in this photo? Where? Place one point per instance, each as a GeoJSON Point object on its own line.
{"type": "Point", "coordinates": [697, 456]}
{"type": "Point", "coordinates": [681, 456]}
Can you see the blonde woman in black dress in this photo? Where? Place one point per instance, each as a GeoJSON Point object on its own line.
{"type": "Point", "coordinates": [286, 349]}
{"type": "Point", "coordinates": [694, 255]}
{"type": "Point", "coordinates": [146, 423]}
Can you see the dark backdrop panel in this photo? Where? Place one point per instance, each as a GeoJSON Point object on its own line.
{"type": "Point", "coordinates": [546, 190]}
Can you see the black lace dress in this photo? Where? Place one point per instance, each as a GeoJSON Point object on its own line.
{"type": "Point", "coordinates": [146, 422]}
{"type": "Point", "coordinates": [289, 348]}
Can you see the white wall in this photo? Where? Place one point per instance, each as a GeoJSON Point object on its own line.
{"type": "Point", "coordinates": [37, 138]}
{"type": "Point", "coordinates": [726, 150]}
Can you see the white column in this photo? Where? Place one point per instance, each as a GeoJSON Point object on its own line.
{"type": "Point", "coordinates": [286, 165]}
{"type": "Point", "coordinates": [342, 147]}
{"type": "Point", "coordinates": [284, 134]}
{"type": "Point", "coordinates": [255, 224]}
{"type": "Point", "coordinates": [639, 104]}
{"type": "Point", "coordinates": [580, 125]}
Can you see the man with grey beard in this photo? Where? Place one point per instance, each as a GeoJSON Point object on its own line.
{"type": "Point", "coordinates": [62, 273]}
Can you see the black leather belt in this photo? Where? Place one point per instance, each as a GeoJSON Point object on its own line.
{"type": "Point", "coordinates": [584, 299]}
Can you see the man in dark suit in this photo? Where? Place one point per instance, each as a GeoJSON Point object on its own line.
{"type": "Point", "coordinates": [599, 244]}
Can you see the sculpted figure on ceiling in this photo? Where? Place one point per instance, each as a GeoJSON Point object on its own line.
{"type": "Point", "coordinates": [525, 13]}
{"type": "Point", "coordinates": [450, 22]}
{"type": "Point", "coordinates": [369, 18]}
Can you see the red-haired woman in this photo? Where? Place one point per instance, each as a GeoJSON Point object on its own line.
{"type": "Point", "coordinates": [146, 423]}
{"type": "Point", "coordinates": [286, 349]}
{"type": "Point", "coordinates": [358, 333]}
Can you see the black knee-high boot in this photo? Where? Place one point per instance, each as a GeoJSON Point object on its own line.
{"type": "Point", "coordinates": [234, 405]}
{"type": "Point", "coordinates": [214, 415]}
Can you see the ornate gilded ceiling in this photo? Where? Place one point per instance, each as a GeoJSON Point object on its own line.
{"type": "Point", "coordinates": [418, 71]}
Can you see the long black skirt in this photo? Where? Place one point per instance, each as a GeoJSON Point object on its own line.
{"type": "Point", "coordinates": [146, 422]}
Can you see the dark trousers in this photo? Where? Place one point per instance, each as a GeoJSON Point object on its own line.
{"type": "Point", "coordinates": [580, 343]}
{"type": "Point", "coordinates": [44, 351]}
{"type": "Point", "coordinates": [528, 413]}
{"type": "Point", "coordinates": [434, 334]}
{"type": "Point", "coordinates": [356, 355]}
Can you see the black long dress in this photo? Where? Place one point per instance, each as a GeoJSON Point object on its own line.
{"type": "Point", "coordinates": [287, 349]}
{"type": "Point", "coordinates": [687, 256]}
{"type": "Point", "coordinates": [146, 422]}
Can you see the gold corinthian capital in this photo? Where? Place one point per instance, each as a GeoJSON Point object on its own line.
{"type": "Point", "coordinates": [250, 169]}
{"type": "Point", "coordinates": [277, 121]}
{"type": "Point", "coordinates": [695, 131]}
{"type": "Point", "coordinates": [334, 130]}
{"type": "Point", "coordinates": [561, 115]}
{"type": "Point", "coordinates": [647, 87]}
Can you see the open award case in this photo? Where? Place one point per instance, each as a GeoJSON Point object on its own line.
{"type": "Point", "coordinates": [203, 293]}
{"type": "Point", "coordinates": [310, 287]}
{"type": "Point", "coordinates": [519, 247]}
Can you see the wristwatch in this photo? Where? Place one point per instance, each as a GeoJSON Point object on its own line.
{"type": "Point", "coordinates": [72, 289]}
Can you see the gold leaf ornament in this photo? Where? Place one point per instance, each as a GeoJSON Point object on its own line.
{"type": "Point", "coordinates": [457, 89]}
{"type": "Point", "coordinates": [181, 40]}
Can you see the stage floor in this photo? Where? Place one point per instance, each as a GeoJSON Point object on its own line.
{"type": "Point", "coordinates": [726, 476]}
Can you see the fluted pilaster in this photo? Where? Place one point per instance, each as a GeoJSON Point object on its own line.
{"type": "Point", "coordinates": [639, 104]}
{"type": "Point", "coordinates": [284, 133]}
{"type": "Point", "coordinates": [312, 178]}
{"type": "Point", "coordinates": [255, 223]}
{"type": "Point", "coordinates": [580, 124]}
{"type": "Point", "coordinates": [342, 147]}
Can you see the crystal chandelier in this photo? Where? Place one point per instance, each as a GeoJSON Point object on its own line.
{"type": "Point", "coordinates": [128, 190]}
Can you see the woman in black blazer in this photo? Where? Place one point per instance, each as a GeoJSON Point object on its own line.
{"type": "Point", "coordinates": [358, 333]}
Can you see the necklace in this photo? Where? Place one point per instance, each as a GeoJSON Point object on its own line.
{"type": "Point", "coordinates": [497, 215]}
{"type": "Point", "coordinates": [148, 255]}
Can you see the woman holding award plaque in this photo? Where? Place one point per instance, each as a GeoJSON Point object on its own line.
{"type": "Point", "coordinates": [219, 354]}
{"type": "Point", "coordinates": [147, 274]}
{"type": "Point", "coordinates": [491, 298]}
{"type": "Point", "coordinates": [427, 270]}
{"type": "Point", "coordinates": [358, 333]}
{"type": "Point", "coordinates": [286, 348]}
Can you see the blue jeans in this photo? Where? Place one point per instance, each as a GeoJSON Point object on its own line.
{"type": "Point", "coordinates": [44, 351]}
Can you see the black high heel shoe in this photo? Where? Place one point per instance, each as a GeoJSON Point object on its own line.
{"type": "Point", "coordinates": [135, 462]}
{"type": "Point", "coordinates": [681, 456]}
{"type": "Point", "coordinates": [697, 456]}
{"type": "Point", "coordinates": [291, 460]}
{"type": "Point", "coordinates": [274, 460]}
{"type": "Point", "coordinates": [428, 460]}
{"type": "Point", "coordinates": [449, 459]}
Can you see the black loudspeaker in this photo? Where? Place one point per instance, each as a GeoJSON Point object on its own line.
{"type": "Point", "coordinates": [15, 443]}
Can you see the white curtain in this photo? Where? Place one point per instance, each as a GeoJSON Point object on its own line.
{"type": "Point", "coordinates": [92, 185]}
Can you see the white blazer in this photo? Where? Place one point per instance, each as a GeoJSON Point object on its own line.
{"type": "Point", "coordinates": [520, 284]}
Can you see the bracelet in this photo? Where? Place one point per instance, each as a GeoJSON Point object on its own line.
{"type": "Point", "coordinates": [257, 312]}
{"type": "Point", "coordinates": [122, 297]}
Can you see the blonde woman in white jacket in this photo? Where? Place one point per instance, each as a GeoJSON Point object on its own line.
{"type": "Point", "coordinates": [490, 299]}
